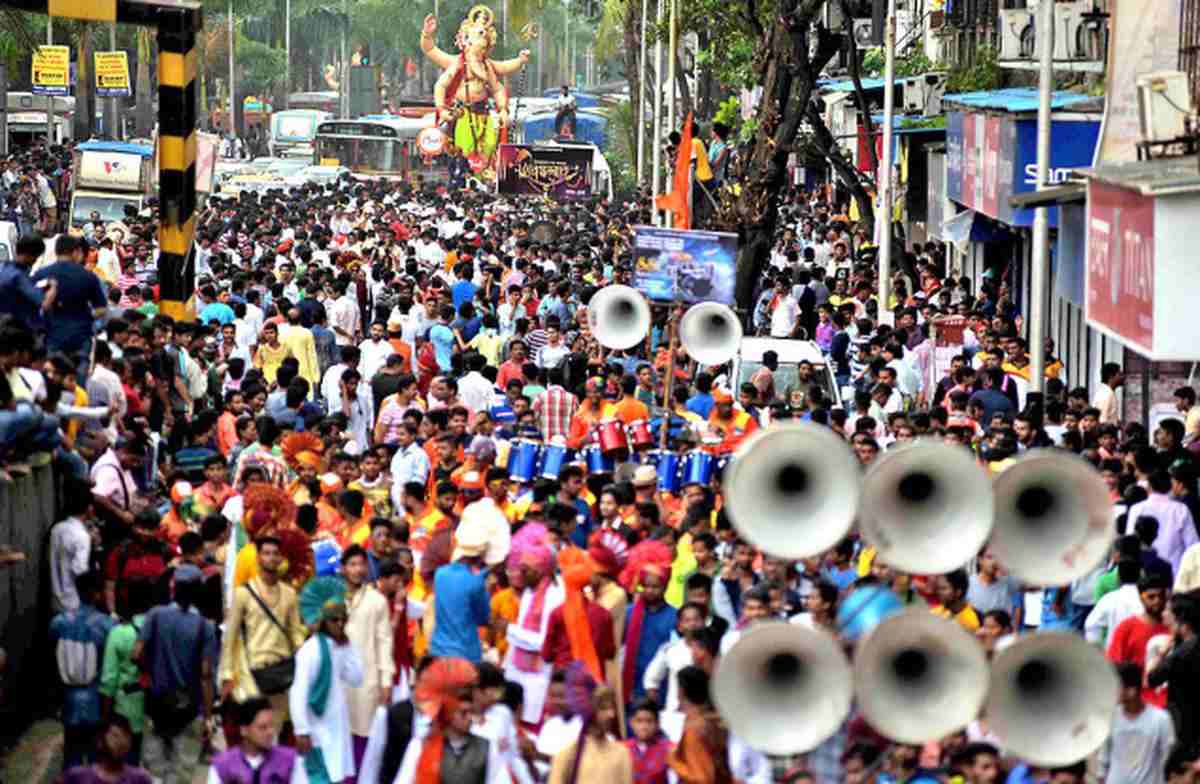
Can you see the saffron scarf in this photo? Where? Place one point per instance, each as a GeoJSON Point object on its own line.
{"type": "Point", "coordinates": [429, 765]}
{"type": "Point", "coordinates": [577, 570]}
{"type": "Point", "coordinates": [531, 661]}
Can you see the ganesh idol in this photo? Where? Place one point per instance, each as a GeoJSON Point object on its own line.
{"type": "Point", "coordinates": [468, 81]}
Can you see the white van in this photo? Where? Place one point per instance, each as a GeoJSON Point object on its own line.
{"type": "Point", "coordinates": [791, 353]}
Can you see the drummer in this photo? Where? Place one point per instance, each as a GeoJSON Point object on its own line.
{"type": "Point", "coordinates": [732, 425]}
{"type": "Point", "coordinates": [590, 413]}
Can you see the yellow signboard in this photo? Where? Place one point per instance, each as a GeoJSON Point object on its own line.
{"type": "Point", "coordinates": [52, 70]}
{"type": "Point", "coordinates": [112, 74]}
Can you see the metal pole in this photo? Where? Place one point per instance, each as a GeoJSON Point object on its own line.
{"type": "Point", "coordinates": [4, 109]}
{"type": "Point", "coordinates": [287, 47]}
{"type": "Point", "coordinates": [656, 136]}
{"type": "Point", "coordinates": [344, 82]}
{"type": "Point", "coordinates": [672, 44]}
{"type": "Point", "coordinates": [49, 98]}
{"type": "Point", "coordinates": [232, 80]}
{"type": "Point", "coordinates": [641, 112]}
{"type": "Point", "coordinates": [884, 217]}
{"type": "Point", "coordinates": [566, 43]}
{"type": "Point", "coordinates": [1039, 279]}
{"type": "Point", "coordinates": [113, 121]}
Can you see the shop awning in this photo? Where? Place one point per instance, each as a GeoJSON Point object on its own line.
{"type": "Point", "coordinates": [1048, 197]}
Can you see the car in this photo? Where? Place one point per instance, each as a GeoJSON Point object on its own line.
{"type": "Point", "coordinates": [321, 175]}
{"type": "Point", "coordinates": [791, 353]}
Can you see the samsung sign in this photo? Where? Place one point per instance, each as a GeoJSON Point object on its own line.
{"type": "Point", "coordinates": [991, 157]}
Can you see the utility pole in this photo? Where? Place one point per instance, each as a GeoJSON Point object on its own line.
{"type": "Point", "coordinates": [656, 136]}
{"type": "Point", "coordinates": [232, 79]}
{"type": "Point", "coordinates": [287, 47]}
{"type": "Point", "coordinates": [113, 120]}
{"type": "Point", "coordinates": [883, 218]}
{"type": "Point", "coordinates": [1039, 280]}
{"type": "Point", "coordinates": [50, 98]}
{"type": "Point", "coordinates": [641, 112]}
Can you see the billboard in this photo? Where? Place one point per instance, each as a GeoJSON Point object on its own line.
{"type": "Point", "coordinates": [112, 74]}
{"type": "Point", "coordinates": [562, 173]}
{"type": "Point", "coordinates": [51, 71]}
{"type": "Point", "coordinates": [688, 266]}
{"type": "Point", "coordinates": [989, 158]}
{"type": "Point", "coordinates": [1120, 264]}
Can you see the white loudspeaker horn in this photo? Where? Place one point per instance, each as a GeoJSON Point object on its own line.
{"type": "Point", "coordinates": [926, 507]}
{"type": "Point", "coordinates": [710, 333]}
{"type": "Point", "coordinates": [619, 317]}
{"type": "Point", "coordinates": [793, 489]}
{"type": "Point", "coordinates": [782, 688]}
{"type": "Point", "coordinates": [1054, 519]}
{"type": "Point", "coordinates": [1051, 698]}
{"type": "Point", "coordinates": [918, 677]}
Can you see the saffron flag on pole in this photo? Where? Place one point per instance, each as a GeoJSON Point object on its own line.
{"type": "Point", "coordinates": [676, 202]}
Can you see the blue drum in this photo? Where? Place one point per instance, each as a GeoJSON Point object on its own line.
{"type": "Point", "coordinates": [327, 557]}
{"type": "Point", "coordinates": [554, 458]}
{"type": "Point", "coordinates": [667, 463]}
{"type": "Point", "coordinates": [523, 460]}
{"type": "Point", "coordinates": [698, 468]}
{"type": "Point", "coordinates": [722, 463]}
{"type": "Point", "coordinates": [598, 462]}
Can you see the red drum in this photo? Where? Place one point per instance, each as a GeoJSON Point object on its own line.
{"type": "Point", "coordinates": [640, 437]}
{"type": "Point", "coordinates": [612, 438]}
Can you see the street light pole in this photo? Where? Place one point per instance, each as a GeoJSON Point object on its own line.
{"type": "Point", "coordinates": [232, 79]}
{"type": "Point", "coordinates": [641, 112]}
{"type": "Point", "coordinates": [1039, 279]}
{"type": "Point", "coordinates": [287, 47]}
{"type": "Point", "coordinates": [49, 98]}
{"type": "Point", "coordinates": [656, 136]}
{"type": "Point", "coordinates": [884, 218]}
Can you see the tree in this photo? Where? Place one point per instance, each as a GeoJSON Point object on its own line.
{"type": "Point", "coordinates": [788, 73]}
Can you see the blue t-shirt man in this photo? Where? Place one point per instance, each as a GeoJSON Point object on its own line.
{"type": "Point", "coordinates": [442, 338]}
{"type": "Point", "coordinates": [461, 606]}
{"type": "Point", "coordinates": [462, 292]}
{"type": "Point", "coordinates": [70, 325]}
{"type": "Point", "coordinates": [19, 297]}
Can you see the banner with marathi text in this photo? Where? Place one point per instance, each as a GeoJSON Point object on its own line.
{"type": "Point", "coordinates": [561, 173]}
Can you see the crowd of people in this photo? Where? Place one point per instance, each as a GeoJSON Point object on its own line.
{"type": "Point", "coordinates": [354, 521]}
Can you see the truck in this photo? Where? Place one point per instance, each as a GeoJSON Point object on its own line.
{"type": "Point", "coordinates": [294, 131]}
{"type": "Point", "coordinates": [108, 176]}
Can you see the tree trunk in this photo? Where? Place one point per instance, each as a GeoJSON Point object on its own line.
{"type": "Point", "coordinates": [685, 93]}
{"type": "Point", "coordinates": [144, 112]}
{"type": "Point", "coordinates": [85, 108]}
{"type": "Point", "coordinates": [860, 97]}
{"type": "Point", "coordinates": [843, 168]}
{"type": "Point", "coordinates": [789, 78]}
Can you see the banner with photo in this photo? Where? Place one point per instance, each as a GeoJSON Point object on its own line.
{"type": "Point", "coordinates": [688, 266]}
{"type": "Point", "coordinates": [561, 173]}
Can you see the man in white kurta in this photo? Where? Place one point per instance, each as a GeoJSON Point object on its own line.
{"type": "Point", "coordinates": [323, 731]}
{"type": "Point", "coordinates": [370, 632]}
{"type": "Point", "coordinates": [527, 642]}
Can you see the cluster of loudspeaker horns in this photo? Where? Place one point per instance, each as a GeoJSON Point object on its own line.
{"type": "Point", "coordinates": [795, 490]}
{"type": "Point", "coordinates": [619, 317]}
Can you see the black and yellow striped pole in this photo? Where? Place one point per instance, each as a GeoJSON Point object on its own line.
{"type": "Point", "coordinates": [177, 22]}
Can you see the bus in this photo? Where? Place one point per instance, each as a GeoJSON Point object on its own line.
{"type": "Point", "coordinates": [372, 146]}
{"type": "Point", "coordinates": [293, 132]}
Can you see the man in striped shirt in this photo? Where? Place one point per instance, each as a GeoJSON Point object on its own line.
{"type": "Point", "coordinates": [555, 407]}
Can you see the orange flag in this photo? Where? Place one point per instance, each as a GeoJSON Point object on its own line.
{"type": "Point", "coordinates": [676, 202]}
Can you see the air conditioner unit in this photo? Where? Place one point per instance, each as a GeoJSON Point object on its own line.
{"type": "Point", "coordinates": [834, 19]}
{"type": "Point", "coordinates": [1164, 104]}
{"type": "Point", "coordinates": [935, 89]}
{"type": "Point", "coordinates": [1016, 34]}
{"type": "Point", "coordinates": [866, 34]}
{"type": "Point", "coordinates": [1067, 23]}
